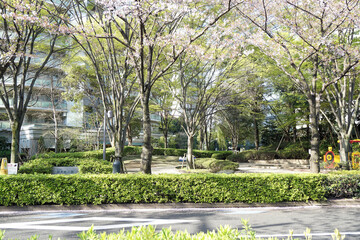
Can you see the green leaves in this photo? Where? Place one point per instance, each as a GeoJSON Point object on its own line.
{"type": "Point", "coordinates": [139, 188]}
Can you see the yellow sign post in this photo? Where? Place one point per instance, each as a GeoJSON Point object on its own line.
{"type": "Point", "coordinates": [4, 167]}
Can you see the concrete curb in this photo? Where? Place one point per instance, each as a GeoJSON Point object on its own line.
{"type": "Point", "coordinates": [117, 207]}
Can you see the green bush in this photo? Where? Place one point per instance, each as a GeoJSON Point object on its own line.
{"type": "Point", "coordinates": [131, 150]}
{"type": "Point", "coordinates": [236, 157]}
{"type": "Point", "coordinates": [294, 151]}
{"type": "Point", "coordinates": [35, 167]}
{"type": "Point", "coordinates": [90, 154]}
{"type": "Point", "coordinates": [221, 155]}
{"type": "Point", "coordinates": [169, 152]}
{"type": "Point", "coordinates": [159, 151]}
{"type": "Point", "coordinates": [77, 189]}
{"type": "Point", "coordinates": [4, 145]}
{"type": "Point", "coordinates": [174, 152]}
{"type": "Point", "coordinates": [5, 154]}
{"type": "Point", "coordinates": [203, 153]}
{"type": "Point", "coordinates": [256, 155]}
{"type": "Point", "coordinates": [86, 165]}
{"type": "Point", "coordinates": [344, 184]}
{"type": "Point", "coordinates": [95, 167]}
{"type": "Point", "coordinates": [128, 150]}
{"type": "Point", "coordinates": [215, 165]}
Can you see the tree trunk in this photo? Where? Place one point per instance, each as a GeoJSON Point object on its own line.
{"type": "Point", "coordinates": [315, 138]}
{"type": "Point", "coordinates": [190, 160]}
{"type": "Point", "coordinates": [294, 127]}
{"type": "Point", "coordinates": [146, 154]}
{"type": "Point", "coordinates": [234, 143]}
{"type": "Point", "coordinates": [15, 141]}
{"type": "Point", "coordinates": [256, 127]}
{"type": "Point", "coordinates": [118, 154]}
{"type": "Point", "coordinates": [56, 134]}
{"type": "Point", "coordinates": [344, 152]}
{"type": "Point", "coordinates": [128, 133]}
{"type": "Point", "coordinates": [207, 139]}
{"type": "Point", "coordinates": [166, 140]}
{"type": "Point", "coordinates": [294, 133]}
{"type": "Point", "coordinates": [98, 131]}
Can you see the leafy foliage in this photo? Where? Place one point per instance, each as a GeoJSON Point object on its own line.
{"type": "Point", "coordinates": [343, 184]}
{"type": "Point", "coordinates": [215, 165]}
{"type": "Point", "coordinates": [85, 165]}
{"type": "Point", "coordinates": [4, 145]}
{"type": "Point", "coordinates": [77, 189]}
{"type": "Point", "coordinates": [221, 155]}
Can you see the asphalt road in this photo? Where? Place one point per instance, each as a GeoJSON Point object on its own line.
{"type": "Point", "coordinates": [266, 221]}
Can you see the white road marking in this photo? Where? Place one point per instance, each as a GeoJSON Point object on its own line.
{"type": "Point", "coordinates": [58, 215]}
{"type": "Point", "coordinates": [129, 222]}
{"type": "Point", "coordinates": [311, 234]}
{"type": "Point", "coordinates": [245, 211]}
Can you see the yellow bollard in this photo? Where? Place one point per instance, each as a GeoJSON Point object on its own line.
{"type": "Point", "coordinates": [4, 167]}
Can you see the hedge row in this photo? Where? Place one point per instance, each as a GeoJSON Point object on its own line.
{"type": "Point", "coordinates": [215, 165]}
{"type": "Point", "coordinates": [132, 150]}
{"type": "Point", "coordinates": [268, 155]}
{"type": "Point", "coordinates": [196, 153]}
{"type": "Point", "coordinates": [94, 165]}
{"type": "Point", "coordinates": [86, 165]}
{"type": "Point", "coordinates": [138, 188]}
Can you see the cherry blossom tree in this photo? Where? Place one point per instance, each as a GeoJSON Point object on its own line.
{"type": "Point", "coordinates": [97, 38]}
{"type": "Point", "coordinates": [302, 38]}
{"type": "Point", "coordinates": [161, 32]}
{"type": "Point", "coordinates": [163, 101]}
{"type": "Point", "coordinates": [30, 34]}
{"type": "Point", "coordinates": [343, 96]}
{"type": "Point", "coordinates": [198, 86]}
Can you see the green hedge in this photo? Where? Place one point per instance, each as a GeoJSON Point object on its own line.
{"type": "Point", "coordinates": [215, 165]}
{"type": "Point", "coordinates": [236, 157]}
{"type": "Point", "coordinates": [290, 153]}
{"type": "Point", "coordinates": [85, 165]}
{"type": "Point", "coordinates": [130, 150]}
{"type": "Point", "coordinates": [221, 155]}
{"type": "Point", "coordinates": [139, 188]}
{"type": "Point", "coordinates": [98, 154]}
{"type": "Point", "coordinates": [89, 154]}
{"type": "Point", "coordinates": [182, 152]}
{"type": "Point", "coordinates": [344, 184]}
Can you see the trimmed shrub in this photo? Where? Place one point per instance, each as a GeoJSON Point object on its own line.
{"type": "Point", "coordinates": [203, 154]}
{"type": "Point", "coordinates": [90, 154]}
{"type": "Point", "coordinates": [131, 150]}
{"type": "Point", "coordinates": [169, 152]}
{"type": "Point", "coordinates": [236, 157]}
{"type": "Point", "coordinates": [95, 167]}
{"type": "Point", "coordinates": [139, 188]}
{"type": "Point", "coordinates": [45, 165]}
{"type": "Point", "coordinates": [294, 151]}
{"type": "Point", "coordinates": [36, 167]}
{"type": "Point", "coordinates": [221, 155]}
{"type": "Point", "coordinates": [159, 151]}
{"type": "Point", "coordinates": [256, 155]}
{"type": "Point", "coordinates": [215, 165]}
{"type": "Point", "coordinates": [344, 184]}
